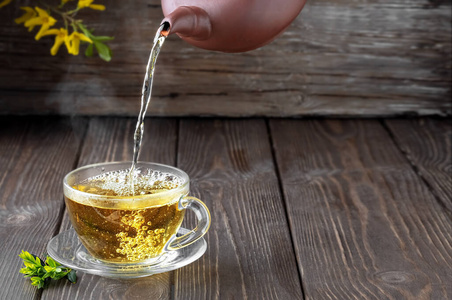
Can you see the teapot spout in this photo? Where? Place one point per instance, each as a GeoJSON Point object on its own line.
{"type": "Point", "coordinates": [190, 22]}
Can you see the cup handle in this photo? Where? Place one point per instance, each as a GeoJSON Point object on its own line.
{"type": "Point", "coordinates": [203, 216]}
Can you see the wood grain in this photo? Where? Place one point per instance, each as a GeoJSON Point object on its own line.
{"type": "Point", "coordinates": [427, 143]}
{"type": "Point", "coordinates": [249, 253]}
{"type": "Point", "coordinates": [110, 139]}
{"type": "Point", "coordinates": [35, 154]}
{"type": "Point", "coordinates": [364, 224]}
{"type": "Point", "coordinates": [337, 58]}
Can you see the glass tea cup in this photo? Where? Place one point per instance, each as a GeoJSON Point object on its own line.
{"type": "Point", "coordinates": [118, 227]}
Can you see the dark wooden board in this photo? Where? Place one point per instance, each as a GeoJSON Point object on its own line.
{"type": "Point", "coordinates": [35, 154]}
{"type": "Point", "coordinates": [364, 224]}
{"type": "Point", "coordinates": [250, 254]}
{"type": "Point", "coordinates": [337, 58]}
{"type": "Point", "coordinates": [110, 139]}
{"type": "Point", "coordinates": [427, 143]}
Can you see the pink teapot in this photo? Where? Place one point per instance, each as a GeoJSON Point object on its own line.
{"type": "Point", "coordinates": [229, 25]}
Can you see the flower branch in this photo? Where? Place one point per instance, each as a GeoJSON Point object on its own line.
{"type": "Point", "coordinates": [72, 33]}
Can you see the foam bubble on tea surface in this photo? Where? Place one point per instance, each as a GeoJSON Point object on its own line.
{"type": "Point", "coordinates": [118, 183]}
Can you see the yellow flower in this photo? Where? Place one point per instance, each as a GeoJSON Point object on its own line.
{"type": "Point", "coordinates": [74, 40]}
{"type": "Point", "coordinates": [29, 13]}
{"type": "Point", "coordinates": [87, 3]}
{"type": "Point", "coordinates": [4, 3]}
{"type": "Point", "coordinates": [43, 19]}
{"type": "Point", "coordinates": [60, 37]}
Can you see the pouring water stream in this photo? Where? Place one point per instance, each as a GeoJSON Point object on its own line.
{"type": "Point", "coordinates": [159, 39]}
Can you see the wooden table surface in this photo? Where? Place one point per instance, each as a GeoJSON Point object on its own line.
{"type": "Point", "coordinates": [301, 208]}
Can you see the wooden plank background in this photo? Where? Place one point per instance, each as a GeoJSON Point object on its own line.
{"type": "Point", "coordinates": [35, 154]}
{"type": "Point", "coordinates": [250, 252]}
{"type": "Point", "coordinates": [427, 144]}
{"type": "Point", "coordinates": [301, 209]}
{"type": "Point", "coordinates": [367, 225]}
{"type": "Point", "coordinates": [360, 58]}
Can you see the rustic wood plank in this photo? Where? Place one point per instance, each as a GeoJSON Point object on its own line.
{"type": "Point", "coordinates": [110, 139]}
{"type": "Point", "coordinates": [249, 253]}
{"type": "Point", "coordinates": [427, 143]}
{"type": "Point", "coordinates": [337, 58]}
{"type": "Point", "coordinates": [364, 224]}
{"type": "Point", "coordinates": [35, 154]}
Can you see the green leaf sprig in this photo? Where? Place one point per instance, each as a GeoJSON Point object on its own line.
{"type": "Point", "coordinates": [99, 43]}
{"type": "Point", "coordinates": [40, 273]}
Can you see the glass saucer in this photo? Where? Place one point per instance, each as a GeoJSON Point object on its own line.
{"type": "Point", "coordinates": [67, 249]}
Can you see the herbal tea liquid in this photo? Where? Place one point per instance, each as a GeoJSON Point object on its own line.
{"type": "Point", "coordinates": [122, 232]}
